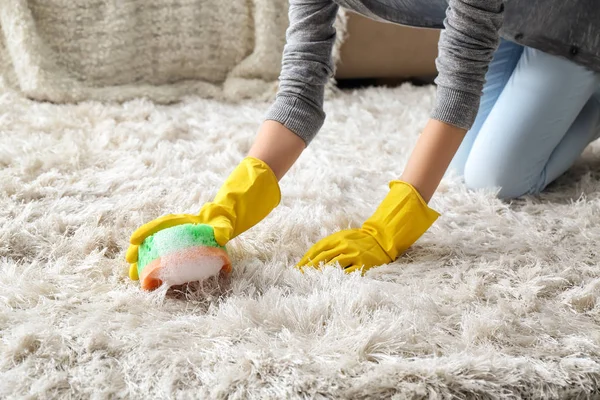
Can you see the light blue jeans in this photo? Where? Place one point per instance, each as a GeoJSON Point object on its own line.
{"type": "Point", "coordinates": [537, 114]}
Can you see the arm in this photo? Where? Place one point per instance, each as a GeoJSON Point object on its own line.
{"type": "Point", "coordinates": [251, 191]}
{"type": "Point", "coordinates": [466, 48]}
{"type": "Point", "coordinates": [277, 146]}
{"type": "Point", "coordinates": [431, 156]}
{"type": "Point", "coordinates": [306, 67]}
{"type": "Point", "coordinates": [297, 113]}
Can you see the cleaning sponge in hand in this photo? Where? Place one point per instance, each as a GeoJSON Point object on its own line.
{"type": "Point", "coordinates": [180, 254]}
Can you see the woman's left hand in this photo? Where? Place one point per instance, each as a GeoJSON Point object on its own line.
{"type": "Point", "coordinates": [401, 219]}
{"type": "Point", "coordinates": [353, 249]}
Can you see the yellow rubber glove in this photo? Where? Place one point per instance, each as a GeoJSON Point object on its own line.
{"type": "Point", "coordinates": [401, 219]}
{"type": "Point", "coordinates": [248, 195]}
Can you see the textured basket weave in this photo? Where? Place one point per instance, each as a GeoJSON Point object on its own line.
{"type": "Point", "coordinates": [73, 50]}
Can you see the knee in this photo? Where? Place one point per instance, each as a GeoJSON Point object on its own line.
{"type": "Point", "coordinates": [496, 177]}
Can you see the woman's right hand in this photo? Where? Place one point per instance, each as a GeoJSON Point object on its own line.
{"type": "Point", "coordinates": [247, 196]}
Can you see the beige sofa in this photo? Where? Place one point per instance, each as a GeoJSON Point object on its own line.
{"type": "Point", "coordinates": [386, 51]}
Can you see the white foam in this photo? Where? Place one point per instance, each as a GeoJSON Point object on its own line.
{"type": "Point", "coordinates": [177, 270]}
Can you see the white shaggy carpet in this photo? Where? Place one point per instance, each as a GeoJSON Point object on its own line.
{"type": "Point", "coordinates": [495, 301]}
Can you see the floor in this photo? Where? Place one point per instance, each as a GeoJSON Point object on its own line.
{"type": "Point", "coordinates": [497, 300]}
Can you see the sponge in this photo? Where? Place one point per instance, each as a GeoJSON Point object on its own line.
{"type": "Point", "coordinates": [181, 254]}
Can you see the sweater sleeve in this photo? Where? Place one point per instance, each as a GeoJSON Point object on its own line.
{"type": "Point", "coordinates": [306, 68]}
{"type": "Point", "coordinates": [466, 47]}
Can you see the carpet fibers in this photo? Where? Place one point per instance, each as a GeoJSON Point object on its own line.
{"type": "Point", "coordinates": [496, 301]}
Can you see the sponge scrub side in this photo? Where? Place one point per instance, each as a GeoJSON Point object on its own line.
{"type": "Point", "coordinates": [181, 254]}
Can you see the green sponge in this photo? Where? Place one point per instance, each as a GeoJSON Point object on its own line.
{"type": "Point", "coordinates": [180, 254]}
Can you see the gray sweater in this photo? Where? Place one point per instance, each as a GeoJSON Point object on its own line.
{"type": "Point", "coordinates": [466, 47]}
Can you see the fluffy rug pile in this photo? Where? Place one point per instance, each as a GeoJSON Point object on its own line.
{"type": "Point", "coordinates": [496, 301]}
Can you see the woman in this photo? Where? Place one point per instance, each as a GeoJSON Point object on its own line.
{"type": "Point", "coordinates": [538, 111]}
